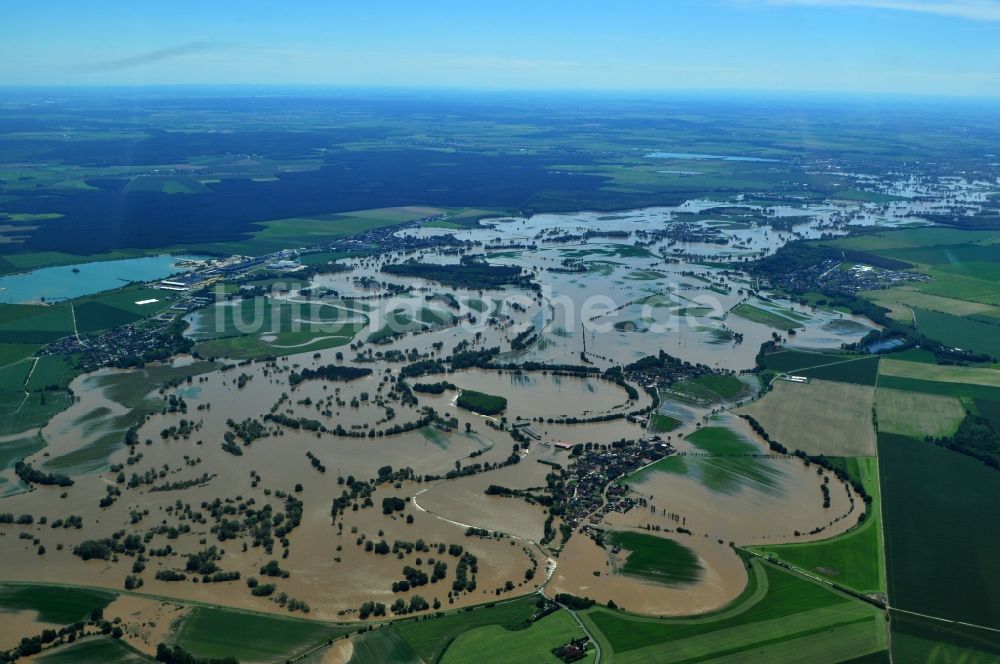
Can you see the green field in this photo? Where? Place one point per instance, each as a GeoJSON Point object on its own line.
{"type": "Point", "coordinates": [12, 353]}
{"type": "Point", "coordinates": [960, 332]}
{"type": "Point", "coordinates": [656, 558]}
{"type": "Point", "coordinates": [729, 468]}
{"type": "Point", "coordinates": [13, 376]}
{"type": "Point", "coordinates": [659, 423]}
{"type": "Point", "coordinates": [862, 371]}
{"type": "Point", "coordinates": [54, 604]}
{"type": "Point", "coordinates": [211, 632]}
{"type": "Point", "coordinates": [792, 361]}
{"type": "Point", "coordinates": [911, 238]}
{"type": "Point", "coordinates": [382, 646]}
{"type": "Point", "coordinates": [727, 387]}
{"type": "Point", "coordinates": [37, 324]}
{"type": "Point", "coordinates": [764, 317]}
{"type": "Point", "coordinates": [709, 389]}
{"type": "Point", "coordinates": [94, 650]}
{"type": "Point", "coordinates": [33, 412]}
{"type": "Point", "coordinates": [11, 451]}
{"type": "Point", "coordinates": [854, 559]}
{"type": "Point", "coordinates": [34, 324]}
{"type": "Point", "coordinates": [917, 415]}
{"type": "Point", "coordinates": [780, 617]}
{"type": "Point", "coordinates": [917, 639]}
{"type": "Point", "coordinates": [262, 326]}
{"type": "Point", "coordinates": [233, 348]}
{"type": "Point", "coordinates": [480, 402]}
{"type": "Point", "coordinates": [957, 381]}
{"type": "Point", "coordinates": [299, 231]}
{"type": "Point", "coordinates": [939, 531]}
{"type": "Point", "coordinates": [50, 370]}
{"type": "Point", "coordinates": [431, 637]}
{"type": "Point", "coordinates": [494, 643]}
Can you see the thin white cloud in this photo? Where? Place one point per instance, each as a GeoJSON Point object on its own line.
{"type": "Point", "coordinates": [976, 10]}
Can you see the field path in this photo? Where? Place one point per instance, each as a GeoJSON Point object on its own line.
{"type": "Point", "coordinates": [72, 311]}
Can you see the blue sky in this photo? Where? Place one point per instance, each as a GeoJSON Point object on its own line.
{"type": "Point", "coordinates": [947, 47]}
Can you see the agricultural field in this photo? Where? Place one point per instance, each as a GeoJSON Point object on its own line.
{"type": "Point", "coordinates": [902, 302]}
{"type": "Point", "coordinates": [781, 616]}
{"type": "Point", "coordinates": [214, 632]}
{"type": "Point", "coordinates": [917, 415]}
{"type": "Point", "coordinates": [861, 371]}
{"type": "Point", "coordinates": [948, 575]}
{"type": "Point", "coordinates": [655, 558]}
{"type": "Point", "coordinates": [726, 465]}
{"type": "Point", "coordinates": [404, 458]}
{"type": "Point", "coordinates": [535, 643]}
{"type": "Point", "coordinates": [765, 317]}
{"type": "Point", "coordinates": [659, 423]}
{"type": "Point", "coordinates": [710, 389]}
{"type": "Point", "coordinates": [966, 333]}
{"type": "Point", "coordinates": [53, 604]}
{"type": "Point", "coordinates": [920, 639]}
{"type": "Point", "coordinates": [962, 265]}
{"type": "Point", "coordinates": [855, 559]}
{"type": "Point", "coordinates": [941, 373]}
{"type": "Point", "coordinates": [263, 326]}
{"type": "Point", "coordinates": [430, 639]}
{"type": "Point", "coordinates": [95, 650]}
{"type": "Point", "coordinates": [793, 361]}
{"type": "Point", "coordinates": [818, 417]}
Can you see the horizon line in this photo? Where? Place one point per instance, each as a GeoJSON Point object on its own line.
{"type": "Point", "coordinates": [532, 91]}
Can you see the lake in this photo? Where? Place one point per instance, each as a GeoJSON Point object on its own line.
{"type": "Point", "coordinates": [61, 282]}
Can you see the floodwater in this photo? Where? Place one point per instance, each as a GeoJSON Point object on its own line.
{"type": "Point", "coordinates": [627, 302]}
{"type": "Point", "coordinates": [763, 499]}
{"type": "Point", "coordinates": [723, 578]}
{"type": "Point", "coordinates": [68, 281]}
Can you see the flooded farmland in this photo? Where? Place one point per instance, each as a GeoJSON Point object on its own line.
{"type": "Point", "coordinates": [402, 423]}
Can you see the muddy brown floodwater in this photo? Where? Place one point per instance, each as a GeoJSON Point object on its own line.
{"type": "Point", "coordinates": [659, 295]}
